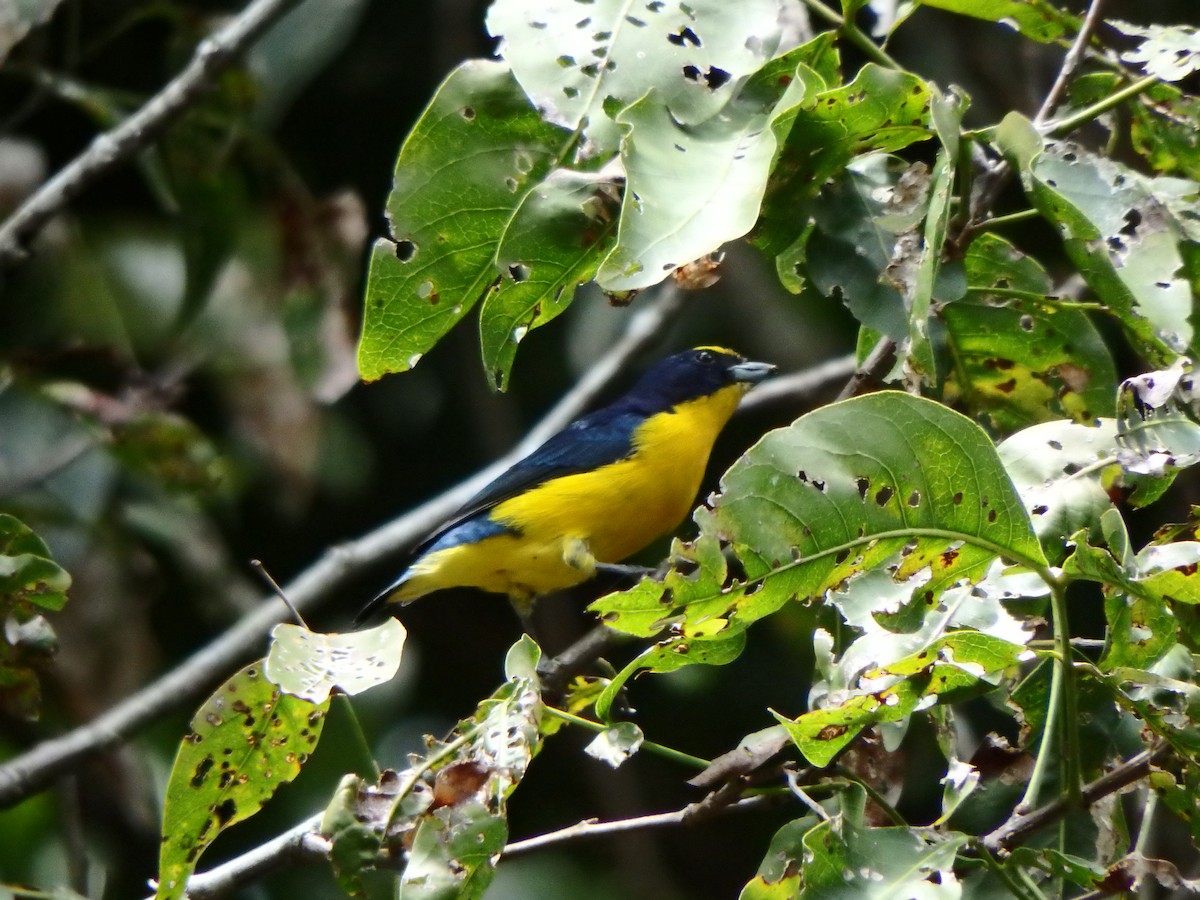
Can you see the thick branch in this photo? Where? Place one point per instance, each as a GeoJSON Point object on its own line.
{"type": "Point", "coordinates": [1019, 827]}
{"type": "Point", "coordinates": [213, 55]}
{"type": "Point", "coordinates": [187, 682]}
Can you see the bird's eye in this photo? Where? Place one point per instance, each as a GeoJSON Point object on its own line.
{"type": "Point", "coordinates": [705, 356]}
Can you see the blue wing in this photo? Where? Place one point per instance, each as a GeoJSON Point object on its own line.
{"type": "Point", "coordinates": [604, 437]}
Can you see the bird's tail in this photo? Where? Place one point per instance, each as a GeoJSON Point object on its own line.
{"type": "Point", "coordinates": [394, 593]}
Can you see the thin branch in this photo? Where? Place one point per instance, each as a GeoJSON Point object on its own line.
{"type": "Point", "coordinates": [1019, 827]}
{"type": "Point", "coordinates": [32, 770]}
{"type": "Point", "coordinates": [801, 387]}
{"type": "Point", "coordinates": [590, 828]}
{"type": "Point", "coordinates": [301, 843]}
{"type": "Point", "coordinates": [870, 369]}
{"type": "Point", "coordinates": [1070, 62]}
{"type": "Point", "coordinates": [212, 56]}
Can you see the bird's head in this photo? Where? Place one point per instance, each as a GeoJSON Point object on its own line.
{"type": "Point", "coordinates": [697, 373]}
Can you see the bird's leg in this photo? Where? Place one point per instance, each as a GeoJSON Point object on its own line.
{"type": "Point", "coordinates": [624, 571]}
{"type": "Point", "coordinates": [578, 555]}
{"type": "Point", "coordinates": [522, 604]}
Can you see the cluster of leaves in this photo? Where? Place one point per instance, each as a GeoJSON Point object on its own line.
{"type": "Point", "coordinates": [935, 534]}
{"type": "Point", "coordinates": [616, 145]}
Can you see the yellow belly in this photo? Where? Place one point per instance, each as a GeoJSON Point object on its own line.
{"type": "Point", "coordinates": [567, 524]}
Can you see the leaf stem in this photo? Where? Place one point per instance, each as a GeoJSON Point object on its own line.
{"type": "Point", "coordinates": [1008, 219]}
{"type": "Point", "coordinates": [1061, 127]}
{"type": "Point", "coordinates": [853, 34]}
{"type": "Point", "coordinates": [693, 762]}
{"type": "Point", "coordinates": [1045, 750]}
{"type": "Point", "coordinates": [1035, 297]}
{"type": "Point", "coordinates": [998, 869]}
{"type": "Point", "coordinates": [359, 737]}
{"type": "Point", "coordinates": [1069, 723]}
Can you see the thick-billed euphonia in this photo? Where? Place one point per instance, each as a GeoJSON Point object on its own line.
{"type": "Point", "coordinates": [596, 493]}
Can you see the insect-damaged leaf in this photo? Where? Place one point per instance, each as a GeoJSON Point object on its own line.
{"type": "Point", "coordinates": [309, 664]}
{"type": "Point", "coordinates": [1036, 19]}
{"type": "Point", "coordinates": [813, 506]}
{"type": "Point", "coordinates": [1123, 237]}
{"type": "Point", "coordinates": [1019, 358]}
{"type": "Point", "coordinates": [583, 62]}
{"type": "Point", "coordinates": [725, 162]}
{"type": "Point", "coordinates": [246, 740]}
{"type": "Point", "coordinates": [486, 145]}
{"type": "Point", "coordinates": [943, 672]}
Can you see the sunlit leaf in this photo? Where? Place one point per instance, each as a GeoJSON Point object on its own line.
{"type": "Point", "coordinates": [944, 672]}
{"type": "Point", "coordinates": [1168, 52]}
{"type": "Point", "coordinates": [246, 740]}
{"type": "Point", "coordinates": [583, 64]}
{"type": "Point", "coordinates": [1019, 357]}
{"type": "Point", "coordinates": [693, 187]}
{"type": "Point", "coordinates": [488, 146]}
{"type": "Point", "coordinates": [1035, 19]}
{"type": "Point", "coordinates": [1120, 235]}
{"type": "Point", "coordinates": [616, 744]}
{"type": "Point", "coordinates": [310, 665]}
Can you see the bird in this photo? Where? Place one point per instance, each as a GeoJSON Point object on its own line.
{"type": "Point", "coordinates": [594, 494]}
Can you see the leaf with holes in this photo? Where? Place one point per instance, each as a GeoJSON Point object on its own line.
{"type": "Point", "coordinates": [1062, 471]}
{"type": "Point", "coordinates": [1141, 626]}
{"type": "Point", "coordinates": [584, 62]}
{"type": "Point", "coordinates": [844, 857]}
{"type": "Point", "coordinates": [458, 837]}
{"type": "Point", "coordinates": [692, 188]}
{"type": "Point", "coordinates": [860, 218]}
{"type": "Point", "coordinates": [31, 583]}
{"type": "Point", "coordinates": [560, 233]}
{"type": "Point", "coordinates": [1168, 52]}
{"type": "Point", "coordinates": [1018, 357]}
{"type": "Point", "coordinates": [459, 181]}
{"type": "Point", "coordinates": [779, 876]}
{"type": "Point", "coordinates": [1157, 428]}
{"type": "Point", "coordinates": [310, 665]}
{"type": "Point", "coordinates": [1035, 19]}
{"type": "Point", "coordinates": [246, 740]}
{"type": "Point", "coordinates": [812, 507]}
{"type": "Point", "coordinates": [1122, 237]}
{"type": "Point", "coordinates": [881, 110]}
{"type": "Point", "coordinates": [946, 671]}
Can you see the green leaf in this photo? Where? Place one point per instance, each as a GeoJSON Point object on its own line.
{"type": "Point", "coordinates": [1119, 234]}
{"type": "Point", "coordinates": [811, 507]}
{"type": "Point", "coordinates": [310, 665]}
{"type": "Point", "coordinates": [723, 163]}
{"type": "Point", "coordinates": [1018, 358]}
{"type": "Point", "coordinates": [1059, 469]}
{"type": "Point", "coordinates": [559, 234]}
{"type": "Point", "coordinates": [246, 740]}
{"type": "Point", "coordinates": [859, 218]}
{"type": "Point", "coordinates": [881, 110]}
{"type": "Point", "coordinates": [1168, 52]}
{"type": "Point", "coordinates": [1035, 19]}
{"type": "Point", "coordinates": [844, 858]}
{"type": "Point", "coordinates": [1157, 428]}
{"type": "Point", "coordinates": [30, 582]}
{"type": "Point", "coordinates": [780, 874]}
{"type": "Point", "coordinates": [943, 672]}
{"type": "Point", "coordinates": [29, 578]}
{"type": "Point", "coordinates": [460, 179]}
{"type": "Point", "coordinates": [581, 64]}
{"type": "Point", "coordinates": [616, 744]}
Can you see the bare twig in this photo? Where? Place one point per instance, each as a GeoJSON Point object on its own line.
{"type": "Point", "coordinates": [212, 56]}
{"type": "Point", "coordinates": [1018, 827]}
{"type": "Point", "coordinates": [870, 369]}
{"type": "Point", "coordinates": [301, 843]}
{"type": "Point", "coordinates": [32, 770]}
{"type": "Point", "coordinates": [590, 828]}
{"type": "Point", "coordinates": [1071, 62]}
{"type": "Point", "coordinates": [800, 387]}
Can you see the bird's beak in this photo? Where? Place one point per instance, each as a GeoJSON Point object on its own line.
{"type": "Point", "coordinates": [751, 372]}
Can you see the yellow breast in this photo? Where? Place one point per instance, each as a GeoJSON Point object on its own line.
{"type": "Point", "coordinates": [620, 508]}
